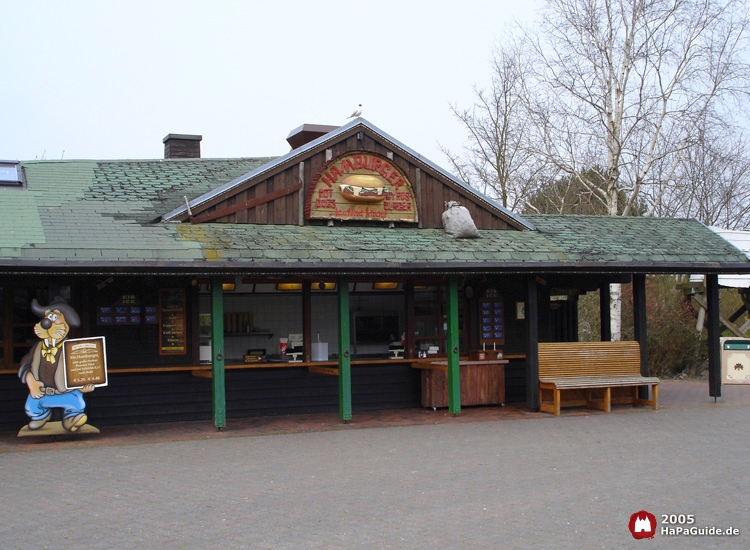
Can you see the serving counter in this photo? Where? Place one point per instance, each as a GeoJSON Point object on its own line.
{"type": "Point", "coordinates": [482, 382]}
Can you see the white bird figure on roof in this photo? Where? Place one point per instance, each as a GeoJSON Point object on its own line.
{"type": "Point", "coordinates": [357, 112]}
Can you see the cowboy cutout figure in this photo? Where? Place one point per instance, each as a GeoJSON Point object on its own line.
{"type": "Point", "coordinates": [43, 372]}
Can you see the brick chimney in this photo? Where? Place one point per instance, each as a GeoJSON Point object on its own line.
{"type": "Point", "coordinates": [182, 146]}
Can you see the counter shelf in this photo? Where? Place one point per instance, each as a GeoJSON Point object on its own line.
{"type": "Point", "coordinates": [271, 365]}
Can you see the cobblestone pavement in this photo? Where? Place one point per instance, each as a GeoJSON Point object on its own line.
{"type": "Point", "coordinates": [489, 478]}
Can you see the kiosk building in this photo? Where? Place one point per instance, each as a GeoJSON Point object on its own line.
{"type": "Point", "coordinates": [199, 272]}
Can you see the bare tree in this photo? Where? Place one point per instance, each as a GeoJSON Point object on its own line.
{"type": "Point", "coordinates": [496, 159]}
{"type": "Point", "coordinates": [613, 93]}
{"type": "Point", "coordinates": [713, 184]}
{"type": "Point", "coordinates": [626, 83]}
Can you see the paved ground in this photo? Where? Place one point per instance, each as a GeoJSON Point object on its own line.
{"type": "Point", "coordinates": [490, 478]}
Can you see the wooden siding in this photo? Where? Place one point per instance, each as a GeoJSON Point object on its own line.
{"type": "Point", "coordinates": [430, 188]}
{"type": "Point", "coordinates": [180, 397]}
{"type": "Point", "coordinates": [13, 396]}
{"type": "Point", "coordinates": [515, 381]}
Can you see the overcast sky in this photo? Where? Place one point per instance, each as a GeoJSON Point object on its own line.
{"type": "Point", "coordinates": [108, 80]}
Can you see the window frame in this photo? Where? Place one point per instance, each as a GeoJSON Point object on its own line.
{"type": "Point", "coordinates": [20, 181]}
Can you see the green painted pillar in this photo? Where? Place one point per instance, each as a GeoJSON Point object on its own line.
{"type": "Point", "coordinates": [454, 369]}
{"type": "Point", "coordinates": [345, 355]}
{"type": "Point", "coordinates": [218, 390]}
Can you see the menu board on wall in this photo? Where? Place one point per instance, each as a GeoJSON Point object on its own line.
{"type": "Point", "coordinates": [126, 310]}
{"type": "Point", "coordinates": [85, 362]}
{"type": "Point", "coordinates": [172, 322]}
{"type": "Point", "coordinates": [492, 319]}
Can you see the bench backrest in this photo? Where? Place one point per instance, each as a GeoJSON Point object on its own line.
{"type": "Point", "coordinates": [589, 358]}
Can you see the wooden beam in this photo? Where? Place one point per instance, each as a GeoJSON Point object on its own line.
{"type": "Point", "coordinates": [640, 326]}
{"type": "Point", "coordinates": [723, 320]}
{"type": "Point", "coordinates": [532, 343]}
{"type": "Point", "coordinates": [252, 203]}
{"type": "Point", "coordinates": [306, 322]}
{"type": "Point", "coordinates": [410, 329]}
{"type": "Point", "coordinates": [714, 335]}
{"type": "Point", "coordinates": [737, 314]}
{"type": "Point", "coordinates": [639, 319]}
{"type": "Point", "coordinates": [605, 314]}
{"type": "Point", "coordinates": [301, 205]}
{"type": "Point", "coordinates": [418, 193]}
{"type": "Point", "coordinates": [454, 372]}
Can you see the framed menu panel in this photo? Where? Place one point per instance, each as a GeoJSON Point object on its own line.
{"type": "Point", "coordinates": [172, 322]}
{"type": "Point", "coordinates": [85, 362]}
{"type": "Point", "coordinates": [492, 319]}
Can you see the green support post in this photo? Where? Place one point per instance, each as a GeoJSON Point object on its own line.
{"type": "Point", "coordinates": [218, 389]}
{"type": "Point", "coordinates": [454, 372]}
{"type": "Point", "coordinates": [345, 356]}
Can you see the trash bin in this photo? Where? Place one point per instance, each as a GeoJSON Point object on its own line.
{"type": "Point", "coordinates": [735, 360]}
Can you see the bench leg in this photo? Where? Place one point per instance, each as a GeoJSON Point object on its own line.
{"type": "Point", "coordinates": [603, 404]}
{"type": "Point", "coordinates": [607, 399]}
{"type": "Point", "coordinates": [654, 401]}
{"type": "Point", "coordinates": [557, 401]}
{"type": "Point", "coordinates": [546, 406]}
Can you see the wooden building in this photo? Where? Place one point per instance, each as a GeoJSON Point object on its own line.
{"type": "Point", "coordinates": [197, 271]}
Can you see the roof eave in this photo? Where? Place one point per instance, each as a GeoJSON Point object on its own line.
{"type": "Point", "coordinates": [309, 269]}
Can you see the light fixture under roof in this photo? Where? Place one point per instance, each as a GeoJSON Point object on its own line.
{"type": "Point", "coordinates": [289, 286]}
{"type": "Point", "coordinates": [384, 285]}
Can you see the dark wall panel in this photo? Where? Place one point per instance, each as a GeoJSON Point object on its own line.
{"type": "Point", "coordinates": [179, 397]}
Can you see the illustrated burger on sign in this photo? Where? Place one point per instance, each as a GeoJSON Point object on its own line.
{"type": "Point", "coordinates": [363, 188]}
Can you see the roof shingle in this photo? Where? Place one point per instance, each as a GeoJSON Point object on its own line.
{"type": "Point", "coordinates": [100, 214]}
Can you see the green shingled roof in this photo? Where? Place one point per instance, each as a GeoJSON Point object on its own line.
{"type": "Point", "coordinates": [100, 215]}
{"type": "Point", "coordinates": [103, 210]}
{"type": "Point", "coordinates": [593, 242]}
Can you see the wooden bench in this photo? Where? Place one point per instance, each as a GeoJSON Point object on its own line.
{"type": "Point", "coordinates": [587, 371]}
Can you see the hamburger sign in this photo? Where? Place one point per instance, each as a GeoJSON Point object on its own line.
{"type": "Point", "coordinates": [362, 186]}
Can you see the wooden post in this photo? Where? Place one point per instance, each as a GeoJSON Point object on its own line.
{"type": "Point", "coordinates": [410, 351]}
{"type": "Point", "coordinates": [454, 369]}
{"type": "Point", "coordinates": [345, 359]}
{"type": "Point", "coordinates": [714, 334]}
{"type": "Point", "coordinates": [532, 344]}
{"type": "Point", "coordinates": [301, 196]}
{"type": "Point", "coordinates": [640, 326]}
{"type": "Point", "coordinates": [306, 322]}
{"type": "Point", "coordinates": [604, 312]}
{"type": "Point", "coordinates": [218, 389]}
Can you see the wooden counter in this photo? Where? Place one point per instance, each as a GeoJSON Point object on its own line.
{"type": "Point", "coordinates": [482, 382]}
{"type": "Point", "coordinates": [320, 367]}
